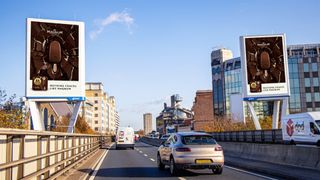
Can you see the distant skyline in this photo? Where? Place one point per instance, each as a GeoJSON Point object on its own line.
{"type": "Point", "coordinates": [145, 51]}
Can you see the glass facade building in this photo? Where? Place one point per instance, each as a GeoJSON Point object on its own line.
{"type": "Point", "coordinates": [304, 65]}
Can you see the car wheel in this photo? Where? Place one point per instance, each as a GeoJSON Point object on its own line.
{"type": "Point", "coordinates": [318, 143]}
{"type": "Point", "coordinates": [173, 167]}
{"type": "Point", "coordinates": [217, 170]}
{"type": "Point", "coordinates": [159, 163]}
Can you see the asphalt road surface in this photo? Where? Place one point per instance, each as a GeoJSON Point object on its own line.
{"type": "Point", "coordinates": [140, 163]}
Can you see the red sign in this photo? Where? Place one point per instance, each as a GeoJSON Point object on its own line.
{"type": "Point", "coordinates": [290, 127]}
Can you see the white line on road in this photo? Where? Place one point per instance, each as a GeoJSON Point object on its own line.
{"type": "Point", "coordinates": [251, 173]}
{"type": "Point", "coordinates": [140, 151]}
{"type": "Point", "coordinates": [152, 159]}
{"type": "Point", "coordinates": [182, 178]}
{"type": "Point", "coordinates": [145, 155]}
{"type": "Point", "coordinates": [307, 145]}
{"type": "Point", "coordinates": [97, 167]}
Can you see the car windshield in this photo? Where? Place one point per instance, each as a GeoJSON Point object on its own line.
{"type": "Point", "coordinates": [318, 122]}
{"type": "Point", "coordinates": [198, 140]}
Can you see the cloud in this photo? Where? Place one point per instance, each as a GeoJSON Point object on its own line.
{"type": "Point", "coordinates": [123, 18]}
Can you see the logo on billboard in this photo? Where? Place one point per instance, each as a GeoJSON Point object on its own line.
{"type": "Point", "coordinates": [290, 127]}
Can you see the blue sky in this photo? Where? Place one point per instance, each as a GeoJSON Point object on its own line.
{"type": "Point", "coordinates": [145, 51]}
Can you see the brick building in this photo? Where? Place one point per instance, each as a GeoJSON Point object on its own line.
{"type": "Point", "coordinates": [202, 109]}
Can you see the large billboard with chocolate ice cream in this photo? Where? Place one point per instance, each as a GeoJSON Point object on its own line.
{"type": "Point", "coordinates": [55, 59]}
{"type": "Point", "coordinates": [265, 66]}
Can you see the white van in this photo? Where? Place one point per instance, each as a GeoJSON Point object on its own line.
{"type": "Point", "coordinates": [125, 138]}
{"type": "Point", "coordinates": [301, 128]}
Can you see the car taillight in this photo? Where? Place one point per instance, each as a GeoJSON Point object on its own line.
{"type": "Point", "coordinates": [183, 149]}
{"type": "Point", "coordinates": [219, 148]}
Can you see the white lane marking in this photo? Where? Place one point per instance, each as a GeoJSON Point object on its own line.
{"type": "Point", "coordinates": [152, 159]}
{"type": "Point", "coordinates": [140, 151]}
{"type": "Point", "coordinates": [137, 149]}
{"type": "Point", "coordinates": [145, 155]}
{"type": "Point", "coordinates": [98, 166]}
{"type": "Point", "coordinates": [182, 178]}
{"type": "Point", "coordinates": [306, 145]}
{"type": "Point", "coordinates": [251, 173]}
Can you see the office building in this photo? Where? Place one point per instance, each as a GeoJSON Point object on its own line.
{"type": "Point", "coordinates": [303, 63]}
{"type": "Point", "coordinates": [304, 66]}
{"type": "Point", "coordinates": [147, 123]}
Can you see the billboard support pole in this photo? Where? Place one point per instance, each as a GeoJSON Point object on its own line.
{"type": "Point", "coordinates": [74, 117]}
{"type": "Point", "coordinates": [254, 116]}
{"type": "Point", "coordinates": [284, 108]}
{"type": "Point", "coordinates": [276, 112]}
{"type": "Point", "coordinates": [36, 117]}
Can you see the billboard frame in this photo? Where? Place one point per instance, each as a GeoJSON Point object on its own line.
{"type": "Point", "coordinates": [258, 96]}
{"type": "Point", "coordinates": [43, 96]}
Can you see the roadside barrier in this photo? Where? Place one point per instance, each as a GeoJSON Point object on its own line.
{"type": "Point", "coordinates": [26, 154]}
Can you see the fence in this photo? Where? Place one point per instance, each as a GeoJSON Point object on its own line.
{"type": "Point", "coordinates": [43, 155]}
{"type": "Point", "coordinates": [256, 136]}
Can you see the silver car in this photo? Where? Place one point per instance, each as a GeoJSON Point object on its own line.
{"type": "Point", "coordinates": [190, 150]}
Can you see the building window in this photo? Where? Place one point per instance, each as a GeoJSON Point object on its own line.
{"type": "Point", "coordinates": [96, 101]}
{"type": "Point", "coordinates": [96, 129]}
{"type": "Point", "coordinates": [314, 67]}
{"type": "Point", "coordinates": [307, 82]}
{"type": "Point", "coordinates": [317, 96]}
{"type": "Point", "coordinates": [96, 122]}
{"type": "Point", "coordinates": [45, 118]}
{"type": "Point", "coordinates": [306, 67]}
{"type": "Point", "coordinates": [315, 82]}
{"type": "Point", "coordinates": [95, 108]}
{"type": "Point", "coordinates": [96, 115]}
{"type": "Point", "coordinates": [96, 94]}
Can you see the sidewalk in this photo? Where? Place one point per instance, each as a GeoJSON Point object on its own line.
{"type": "Point", "coordinates": [82, 170]}
{"type": "Point", "coordinates": [281, 171]}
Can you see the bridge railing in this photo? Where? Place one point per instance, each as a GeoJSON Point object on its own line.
{"type": "Point", "coordinates": [43, 155]}
{"type": "Point", "coordinates": [256, 136]}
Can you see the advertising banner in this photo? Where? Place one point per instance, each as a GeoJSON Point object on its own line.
{"type": "Point", "coordinates": [265, 66]}
{"type": "Point", "coordinates": [55, 59]}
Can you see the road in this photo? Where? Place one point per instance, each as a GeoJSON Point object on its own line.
{"type": "Point", "coordinates": [141, 164]}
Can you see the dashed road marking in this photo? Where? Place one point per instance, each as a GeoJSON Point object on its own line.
{"type": "Point", "coordinates": [152, 159]}
{"type": "Point", "coordinates": [140, 151]}
{"type": "Point", "coordinates": [182, 178]}
{"type": "Point", "coordinates": [145, 155]}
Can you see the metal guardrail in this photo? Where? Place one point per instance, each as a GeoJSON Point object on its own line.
{"type": "Point", "coordinates": [41, 154]}
{"type": "Point", "coordinates": [257, 136]}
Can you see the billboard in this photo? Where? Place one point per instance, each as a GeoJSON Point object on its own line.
{"type": "Point", "coordinates": [265, 66]}
{"type": "Point", "coordinates": [55, 59]}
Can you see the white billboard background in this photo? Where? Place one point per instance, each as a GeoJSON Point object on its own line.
{"type": "Point", "coordinates": [60, 64]}
{"type": "Point", "coordinates": [264, 59]}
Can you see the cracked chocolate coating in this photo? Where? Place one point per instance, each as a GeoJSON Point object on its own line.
{"type": "Point", "coordinates": [54, 51]}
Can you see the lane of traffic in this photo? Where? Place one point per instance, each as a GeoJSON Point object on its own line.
{"type": "Point", "coordinates": [228, 173]}
{"type": "Point", "coordinates": [129, 164]}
